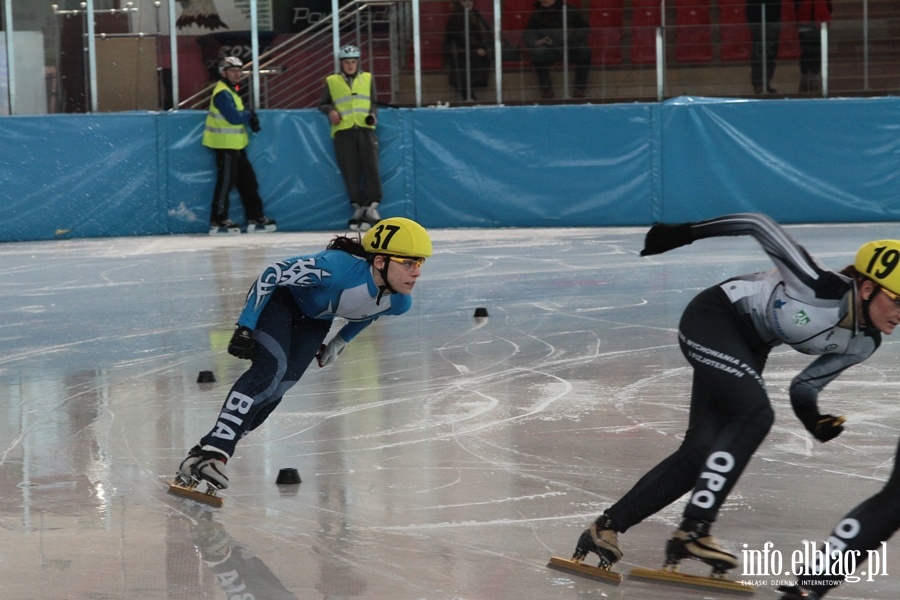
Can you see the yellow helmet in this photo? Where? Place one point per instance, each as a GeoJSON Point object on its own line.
{"type": "Point", "coordinates": [880, 262]}
{"type": "Point", "coordinates": [397, 236]}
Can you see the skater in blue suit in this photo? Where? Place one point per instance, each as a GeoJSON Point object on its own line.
{"type": "Point", "coordinates": [287, 316]}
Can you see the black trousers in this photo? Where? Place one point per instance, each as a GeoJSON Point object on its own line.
{"type": "Point", "coordinates": [772, 28]}
{"type": "Point", "coordinates": [286, 344]}
{"type": "Point", "coordinates": [546, 56]}
{"type": "Point", "coordinates": [730, 415]}
{"type": "Point", "coordinates": [234, 170]}
{"type": "Point", "coordinates": [861, 530]}
{"type": "Point", "coordinates": [356, 151]}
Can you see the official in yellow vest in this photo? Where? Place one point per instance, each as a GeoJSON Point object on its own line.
{"type": "Point", "coordinates": [226, 134]}
{"type": "Point", "coordinates": [349, 102]}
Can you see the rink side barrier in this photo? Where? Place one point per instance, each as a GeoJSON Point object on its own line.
{"type": "Point", "coordinates": [139, 173]}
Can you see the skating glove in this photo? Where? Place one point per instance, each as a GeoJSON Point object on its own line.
{"type": "Point", "coordinates": [328, 352]}
{"type": "Point", "coordinates": [254, 122]}
{"type": "Point", "coordinates": [662, 238]}
{"type": "Point", "coordinates": [241, 344]}
{"type": "Point", "coordinates": [823, 427]}
{"type": "Point", "coordinates": [827, 427]}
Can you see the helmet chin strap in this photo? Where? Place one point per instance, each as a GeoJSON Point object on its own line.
{"type": "Point", "coordinates": [865, 306]}
{"type": "Point", "coordinates": [385, 287]}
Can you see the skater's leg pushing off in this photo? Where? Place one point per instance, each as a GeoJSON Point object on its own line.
{"type": "Point", "coordinates": [284, 344]}
{"type": "Point", "coordinates": [730, 415]}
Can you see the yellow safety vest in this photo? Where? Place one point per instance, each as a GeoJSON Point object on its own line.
{"type": "Point", "coordinates": [219, 133]}
{"type": "Point", "coordinates": [354, 103]}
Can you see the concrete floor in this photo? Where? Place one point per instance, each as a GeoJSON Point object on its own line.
{"type": "Point", "coordinates": [441, 458]}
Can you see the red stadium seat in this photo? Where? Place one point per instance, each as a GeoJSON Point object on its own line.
{"type": "Point", "coordinates": [693, 36]}
{"type": "Point", "coordinates": [607, 19]}
{"type": "Point", "coordinates": [789, 46]}
{"type": "Point", "coordinates": [734, 31]}
{"type": "Point", "coordinates": [433, 17]}
{"type": "Point", "coordinates": [646, 17]}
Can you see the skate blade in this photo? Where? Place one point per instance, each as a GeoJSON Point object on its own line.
{"type": "Point", "coordinates": [692, 580]}
{"type": "Point", "coordinates": [261, 228]}
{"type": "Point", "coordinates": [570, 566]}
{"type": "Point", "coordinates": [224, 231]}
{"type": "Point", "coordinates": [193, 494]}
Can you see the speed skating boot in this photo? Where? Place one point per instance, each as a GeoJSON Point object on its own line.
{"type": "Point", "coordinates": [203, 464]}
{"type": "Point", "coordinates": [693, 540]}
{"type": "Point", "coordinates": [601, 539]}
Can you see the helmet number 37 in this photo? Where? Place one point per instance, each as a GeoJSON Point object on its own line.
{"type": "Point", "coordinates": [381, 238]}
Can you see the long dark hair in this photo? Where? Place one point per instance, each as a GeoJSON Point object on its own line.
{"type": "Point", "coordinates": [350, 245]}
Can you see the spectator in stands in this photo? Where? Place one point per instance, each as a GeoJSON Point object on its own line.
{"type": "Point", "coordinates": [464, 77]}
{"type": "Point", "coordinates": [546, 38]}
{"type": "Point", "coordinates": [810, 14]}
{"type": "Point", "coordinates": [349, 103]}
{"type": "Point", "coordinates": [764, 18]}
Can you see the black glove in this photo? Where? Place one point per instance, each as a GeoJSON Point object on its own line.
{"type": "Point", "coordinates": [827, 427]}
{"type": "Point", "coordinates": [254, 122]}
{"type": "Point", "coordinates": [662, 238]}
{"type": "Point", "coordinates": [823, 427]}
{"type": "Point", "coordinates": [241, 344]}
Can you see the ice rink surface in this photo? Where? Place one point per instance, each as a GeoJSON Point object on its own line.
{"type": "Point", "coordinates": [441, 458]}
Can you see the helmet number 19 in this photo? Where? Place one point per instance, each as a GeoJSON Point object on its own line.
{"type": "Point", "coordinates": [886, 258]}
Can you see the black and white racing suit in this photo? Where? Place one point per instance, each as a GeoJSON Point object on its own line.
{"type": "Point", "coordinates": [726, 333]}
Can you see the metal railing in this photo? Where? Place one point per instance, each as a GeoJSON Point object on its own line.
{"type": "Point", "coordinates": [292, 72]}
{"type": "Point", "coordinates": [642, 50]}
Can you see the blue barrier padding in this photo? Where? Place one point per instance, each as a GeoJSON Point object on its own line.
{"type": "Point", "coordinates": [80, 176]}
{"type": "Point", "coordinates": [551, 166]}
{"type": "Point", "coordinates": [800, 161]}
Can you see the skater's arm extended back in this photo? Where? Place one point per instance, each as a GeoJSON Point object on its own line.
{"type": "Point", "coordinates": [799, 269]}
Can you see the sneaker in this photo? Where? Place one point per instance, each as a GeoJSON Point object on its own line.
{"type": "Point", "coordinates": [693, 540]}
{"type": "Point", "coordinates": [602, 539]}
{"type": "Point", "coordinates": [356, 220]}
{"type": "Point", "coordinates": [205, 463]}
{"type": "Point", "coordinates": [370, 216]}
{"type": "Point", "coordinates": [796, 592]}
{"type": "Point", "coordinates": [226, 227]}
{"type": "Point", "coordinates": [261, 225]}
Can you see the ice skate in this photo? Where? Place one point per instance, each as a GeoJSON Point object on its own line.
{"type": "Point", "coordinates": [355, 221]}
{"type": "Point", "coordinates": [261, 225]}
{"type": "Point", "coordinates": [796, 592]}
{"type": "Point", "coordinates": [225, 227]}
{"type": "Point", "coordinates": [601, 539]}
{"type": "Point", "coordinates": [201, 465]}
{"type": "Point", "coordinates": [693, 540]}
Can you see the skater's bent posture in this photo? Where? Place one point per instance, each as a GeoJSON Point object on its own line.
{"type": "Point", "coordinates": [861, 530]}
{"type": "Point", "coordinates": [287, 316]}
{"type": "Point", "coordinates": [726, 333]}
